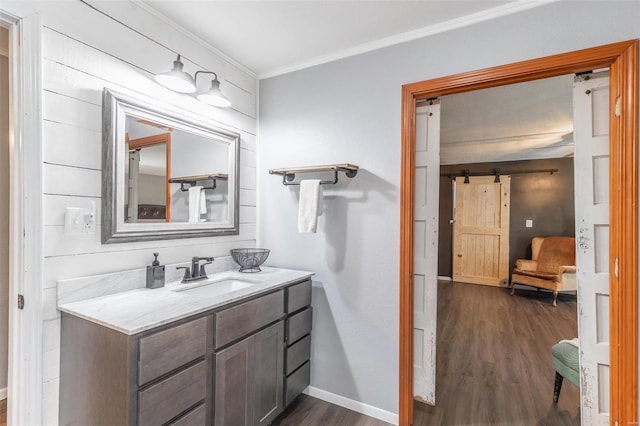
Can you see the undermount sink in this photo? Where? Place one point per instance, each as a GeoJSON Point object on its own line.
{"type": "Point", "coordinates": [214, 287]}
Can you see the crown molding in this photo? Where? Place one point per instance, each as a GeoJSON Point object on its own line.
{"type": "Point", "coordinates": [486, 15]}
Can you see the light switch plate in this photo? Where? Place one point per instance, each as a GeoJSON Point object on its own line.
{"type": "Point", "coordinates": [79, 221]}
{"type": "Point", "coordinates": [528, 223]}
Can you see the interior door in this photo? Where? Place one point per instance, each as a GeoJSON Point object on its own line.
{"type": "Point", "coordinates": [425, 279]}
{"type": "Point", "coordinates": [591, 168]}
{"type": "Point", "coordinates": [481, 230]}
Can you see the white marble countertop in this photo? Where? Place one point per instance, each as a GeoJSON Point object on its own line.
{"type": "Point", "coordinates": [138, 310]}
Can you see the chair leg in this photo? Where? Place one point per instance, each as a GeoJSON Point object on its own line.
{"type": "Point", "coordinates": [557, 387]}
{"type": "Point", "coordinates": [555, 297]}
{"type": "Point", "coordinates": [513, 288]}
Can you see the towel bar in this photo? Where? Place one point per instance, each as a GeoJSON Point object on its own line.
{"type": "Point", "coordinates": [289, 174]}
{"type": "Point", "coordinates": [192, 180]}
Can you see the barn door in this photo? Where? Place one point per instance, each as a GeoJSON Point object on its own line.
{"type": "Point", "coordinates": [591, 135]}
{"type": "Point", "coordinates": [425, 279]}
{"type": "Point", "coordinates": [481, 230]}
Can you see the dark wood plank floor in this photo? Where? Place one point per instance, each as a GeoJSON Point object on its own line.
{"type": "Point", "coordinates": [3, 412]}
{"type": "Point", "coordinates": [494, 358]}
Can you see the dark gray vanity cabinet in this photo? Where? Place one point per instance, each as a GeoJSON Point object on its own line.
{"type": "Point", "coordinates": [239, 364]}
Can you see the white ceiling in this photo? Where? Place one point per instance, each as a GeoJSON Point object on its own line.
{"type": "Point", "coordinates": [272, 37]}
{"type": "Point", "coordinates": [517, 122]}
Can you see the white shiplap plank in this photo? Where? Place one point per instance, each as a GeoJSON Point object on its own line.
{"type": "Point", "coordinates": [248, 141]}
{"type": "Point", "coordinates": [64, 180]}
{"type": "Point", "coordinates": [57, 243]}
{"type": "Point", "coordinates": [247, 197]}
{"type": "Point", "coordinates": [247, 177]}
{"type": "Point", "coordinates": [248, 214]}
{"type": "Point", "coordinates": [66, 110]}
{"type": "Point", "coordinates": [248, 158]}
{"type": "Point", "coordinates": [71, 146]}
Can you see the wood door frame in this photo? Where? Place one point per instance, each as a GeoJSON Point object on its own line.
{"type": "Point", "coordinates": [159, 139]}
{"type": "Point", "coordinates": [622, 60]}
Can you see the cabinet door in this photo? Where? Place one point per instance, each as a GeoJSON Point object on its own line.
{"type": "Point", "coordinates": [233, 378]}
{"type": "Point", "coordinates": [268, 374]}
{"type": "Point", "coordinates": [249, 379]}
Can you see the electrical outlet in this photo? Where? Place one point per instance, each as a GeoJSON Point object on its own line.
{"type": "Point", "coordinates": [79, 221]}
{"type": "Point", "coordinates": [528, 223]}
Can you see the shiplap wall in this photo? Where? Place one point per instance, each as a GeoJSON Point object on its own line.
{"type": "Point", "coordinates": [120, 46]}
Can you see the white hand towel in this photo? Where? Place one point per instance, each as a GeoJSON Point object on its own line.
{"type": "Point", "coordinates": [310, 206]}
{"type": "Point", "coordinates": [195, 198]}
{"type": "Point", "coordinates": [203, 203]}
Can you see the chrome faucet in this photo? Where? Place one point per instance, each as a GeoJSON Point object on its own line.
{"type": "Point", "coordinates": [197, 271]}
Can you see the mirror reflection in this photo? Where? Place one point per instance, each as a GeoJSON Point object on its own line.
{"type": "Point", "coordinates": [174, 176]}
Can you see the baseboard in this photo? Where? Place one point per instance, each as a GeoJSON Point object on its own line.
{"type": "Point", "coordinates": [360, 407]}
{"type": "Point", "coordinates": [443, 278]}
{"type": "Point", "coordinates": [3, 394]}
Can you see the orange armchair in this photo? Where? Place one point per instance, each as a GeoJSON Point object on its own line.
{"type": "Point", "coordinates": [552, 266]}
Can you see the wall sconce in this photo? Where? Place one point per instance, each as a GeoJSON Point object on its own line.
{"type": "Point", "coordinates": [180, 81]}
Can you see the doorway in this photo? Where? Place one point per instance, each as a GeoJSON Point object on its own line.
{"type": "Point", "coordinates": [622, 58]}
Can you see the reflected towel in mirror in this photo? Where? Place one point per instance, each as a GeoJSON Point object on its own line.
{"type": "Point", "coordinates": [197, 204]}
{"type": "Point", "coordinates": [310, 206]}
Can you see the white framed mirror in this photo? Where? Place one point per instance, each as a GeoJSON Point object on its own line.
{"type": "Point", "coordinates": [167, 172]}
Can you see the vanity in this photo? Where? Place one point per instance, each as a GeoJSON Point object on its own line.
{"type": "Point", "coordinates": [189, 356]}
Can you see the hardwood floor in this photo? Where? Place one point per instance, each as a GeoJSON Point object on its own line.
{"type": "Point", "coordinates": [3, 412]}
{"type": "Point", "coordinates": [309, 411]}
{"type": "Point", "coordinates": [494, 358]}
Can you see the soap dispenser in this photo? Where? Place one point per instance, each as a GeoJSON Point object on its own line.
{"type": "Point", "coordinates": [155, 273]}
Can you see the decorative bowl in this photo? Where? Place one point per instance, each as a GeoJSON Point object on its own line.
{"type": "Point", "coordinates": [249, 259]}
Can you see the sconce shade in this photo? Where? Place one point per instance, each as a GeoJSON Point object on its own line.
{"type": "Point", "coordinates": [176, 79]}
{"type": "Point", "coordinates": [214, 95]}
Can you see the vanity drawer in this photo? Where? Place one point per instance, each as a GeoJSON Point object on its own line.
{"type": "Point", "coordinates": [163, 401]}
{"type": "Point", "coordinates": [298, 354]}
{"type": "Point", "coordinates": [298, 296]}
{"type": "Point", "coordinates": [296, 383]}
{"type": "Point", "coordinates": [167, 350]}
{"type": "Point", "coordinates": [298, 325]}
{"type": "Point", "coordinates": [236, 322]}
{"type": "Point", "coordinates": [197, 417]}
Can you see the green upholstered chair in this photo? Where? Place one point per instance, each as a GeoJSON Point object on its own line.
{"type": "Point", "coordinates": [564, 357]}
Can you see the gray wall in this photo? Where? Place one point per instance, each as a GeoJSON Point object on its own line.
{"type": "Point", "coordinates": [546, 199]}
{"type": "Point", "coordinates": [349, 111]}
